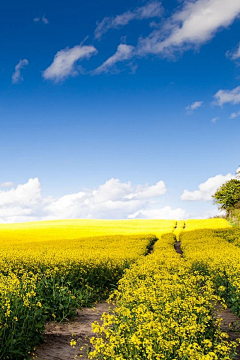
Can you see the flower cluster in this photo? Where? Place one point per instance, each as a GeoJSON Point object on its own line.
{"type": "Point", "coordinates": [217, 254]}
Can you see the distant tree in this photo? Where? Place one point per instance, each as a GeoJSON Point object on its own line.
{"type": "Point", "coordinates": [227, 197]}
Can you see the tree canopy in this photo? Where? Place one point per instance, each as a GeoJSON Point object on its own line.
{"type": "Point", "coordinates": [228, 195]}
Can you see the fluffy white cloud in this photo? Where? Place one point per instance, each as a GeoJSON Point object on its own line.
{"type": "Point", "coordinates": [227, 96]}
{"type": "Point", "coordinates": [64, 62]}
{"type": "Point", "coordinates": [150, 10]}
{"type": "Point", "coordinates": [163, 213]}
{"type": "Point", "coordinates": [194, 24]}
{"type": "Point", "coordinates": [21, 203]}
{"type": "Point", "coordinates": [144, 192]}
{"type": "Point", "coordinates": [24, 195]}
{"type": "Point", "coordinates": [234, 115]}
{"type": "Point", "coordinates": [113, 199]}
{"type": "Point", "coordinates": [206, 189]}
{"type": "Point", "coordinates": [124, 52]}
{"type": "Point", "coordinates": [16, 76]}
{"type": "Point", "coordinates": [194, 106]}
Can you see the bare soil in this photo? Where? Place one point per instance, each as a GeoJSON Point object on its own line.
{"type": "Point", "coordinates": [230, 325]}
{"type": "Point", "coordinates": [177, 247]}
{"type": "Point", "coordinates": [57, 336]}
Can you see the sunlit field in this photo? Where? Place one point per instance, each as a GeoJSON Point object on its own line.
{"type": "Point", "coordinates": [164, 302]}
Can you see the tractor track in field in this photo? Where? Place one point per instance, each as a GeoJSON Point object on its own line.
{"type": "Point", "coordinates": [230, 325]}
{"type": "Point", "coordinates": [57, 336]}
{"type": "Point", "coordinates": [177, 247]}
{"type": "Point", "coordinates": [230, 322]}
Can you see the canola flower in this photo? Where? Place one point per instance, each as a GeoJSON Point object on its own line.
{"type": "Point", "coordinates": [179, 228]}
{"type": "Point", "coordinates": [47, 269]}
{"type": "Point", "coordinates": [217, 253]}
{"type": "Point", "coordinates": [164, 310]}
{"type": "Point", "coordinates": [216, 223]}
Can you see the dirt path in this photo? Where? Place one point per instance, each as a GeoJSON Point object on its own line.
{"type": "Point", "coordinates": [57, 336]}
{"type": "Point", "coordinates": [230, 325]}
{"type": "Point", "coordinates": [177, 247]}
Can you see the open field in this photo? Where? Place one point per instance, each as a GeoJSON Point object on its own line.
{"type": "Point", "coordinates": [164, 303]}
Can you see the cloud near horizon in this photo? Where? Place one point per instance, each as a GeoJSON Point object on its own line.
{"type": "Point", "coordinates": [111, 200]}
{"type": "Point", "coordinates": [6, 184]}
{"type": "Point", "coordinates": [206, 189]}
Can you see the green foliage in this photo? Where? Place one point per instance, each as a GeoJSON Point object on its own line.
{"type": "Point", "coordinates": [228, 195]}
{"type": "Point", "coordinates": [235, 218]}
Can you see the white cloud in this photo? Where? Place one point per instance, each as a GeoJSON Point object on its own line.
{"type": "Point", "coordinates": [235, 55]}
{"type": "Point", "coordinates": [16, 77]}
{"type": "Point", "coordinates": [113, 199]}
{"type": "Point", "coordinates": [206, 189]}
{"type": "Point", "coordinates": [193, 25]}
{"type": "Point", "coordinates": [150, 10]}
{"type": "Point", "coordinates": [227, 96]}
{"type": "Point", "coordinates": [42, 19]}
{"type": "Point", "coordinates": [163, 213]}
{"type": "Point", "coordinates": [6, 184]}
{"type": "Point", "coordinates": [124, 52]}
{"type": "Point", "coordinates": [194, 106]}
{"type": "Point", "coordinates": [24, 195]}
{"type": "Point", "coordinates": [64, 62]}
{"type": "Point", "coordinates": [215, 119]}
{"type": "Point", "coordinates": [144, 192]}
{"type": "Point", "coordinates": [234, 115]}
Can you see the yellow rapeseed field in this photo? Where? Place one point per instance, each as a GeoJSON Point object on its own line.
{"type": "Point", "coordinates": [165, 310]}
{"type": "Point", "coordinates": [47, 269]}
{"type": "Point", "coordinates": [194, 224]}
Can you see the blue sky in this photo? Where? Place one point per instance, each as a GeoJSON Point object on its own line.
{"type": "Point", "coordinates": [117, 109]}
